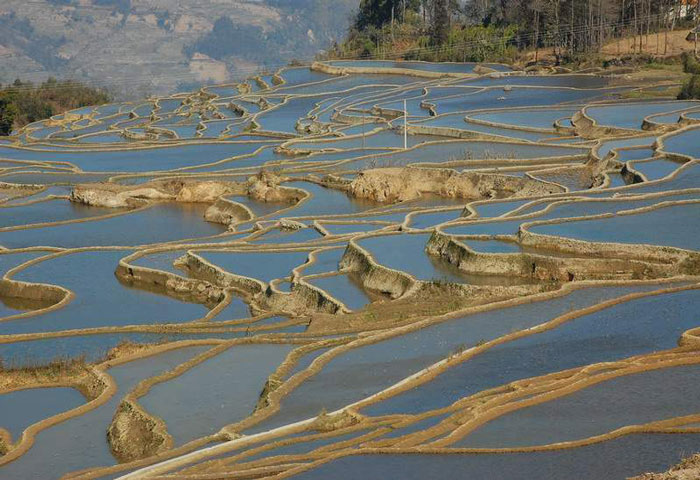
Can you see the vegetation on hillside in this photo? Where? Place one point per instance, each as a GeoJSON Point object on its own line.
{"type": "Point", "coordinates": [497, 30]}
{"type": "Point", "coordinates": [691, 87]}
{"type": "Point", "coordinates": [305, 23]}
{"type": "Point", "coordinates": [23, 102]}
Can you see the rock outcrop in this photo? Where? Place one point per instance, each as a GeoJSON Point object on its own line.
{"type": "Point", "coordinates": [205, 192]}
{"type": "Point", "coordinates": [226, 212]}
{"type": "Point", "coordinates": [133, 435]}
{"type": "Point", "coordinates": [402, 184]}
{"type": "Point", "coordinates": [265, 187]}
{"type": "Point", "coordinates": [111, 195]}
{"type": "Point", "coordinates": [688, 469]}
{"type": "Point", "coordinates": [101, 195]}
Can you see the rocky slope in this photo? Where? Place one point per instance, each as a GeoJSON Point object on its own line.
{"type": "Point", "coordinates": [688, 469]}
{"type": "Point", "coordinates": [401, 184]}
{"type": "Point", "coordinates": [162, 44]}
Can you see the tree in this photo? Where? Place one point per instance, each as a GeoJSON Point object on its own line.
{"type": "Point", "coordinates": [441, 21]}
{"type": "Point", "coordinates": [8, 114]}
{"type": "Point", "coordinates": [377, 13]}
{"type": "Point", "coordinates": [537, 7]}
{"type": "Point", "coordinates": [691, 89]}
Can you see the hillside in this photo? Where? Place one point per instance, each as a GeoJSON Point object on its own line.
{"type": "Point", "coordinates": [140, 47]}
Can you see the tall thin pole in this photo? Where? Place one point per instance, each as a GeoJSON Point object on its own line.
{"type": "Point", "coordinates": [363, 132]}
{"type": "Point", "coordinates": [405, 125]}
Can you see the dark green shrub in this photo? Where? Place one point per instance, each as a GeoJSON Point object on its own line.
{"type": "Point", "coordinates": [690, 63]}
{"type": "Point", "coordinates": [691, 89]}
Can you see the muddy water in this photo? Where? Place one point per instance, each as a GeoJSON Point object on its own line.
{"type": "Point", "coordinates": [624, 330]}
{"type": "Point", "coordinates": [369, 369]}
{"type": "Point", "coordinates": [345, 288]}
{"type": "Point", "coordinates": [296, 76]}
{"type": "Point", "coordinates": [629, 400]}
{"type": "Point", "coordinates": [506, 132]}
{"type": "Point", "coordinates": [572, 81]}
{"type": "Point", "coordinates": [508, 227]}
{"type": "Point", "coordinates": [23, 408]}
{"type": "Point", "coordinates": [307, 446]}
{"type": "Point", "coordinates": [630, 115]}
{"type": "Point", "coordinates": [264, 266]}
{"type": "Point", "coordinates": [237, 309]}
{"type": "Point", "coordinates": [516, 97]}
{"type": "Point", "coordinates": [283, 118]}
{"type": "Point", "coordinates": [160, 223]}
{"type": "Point", "coordinates": [81, 442]}
{"type": "Point", "coordinates": [358, 83]}
{"type": "Point", "coordinates": [461, 151]}
{"type": "Point", "coordinates": [565, 210]}
{"type": "Point", "coordinates": [93, 348]}
{"type": "Point", "coordinates": [607, 145]}
{"type": "Point", "coordinates": [325, 201]}
{"type": "Point", "coordinates": [259, 209]}
{"type": "Point", "coordinates": [425, 66]}
{"type": "Point", "coordinates": [635, 154]}
{"type": "Point", "coordinates": [496, 209]}
{"type": "Point", "coordinates": [432, 219]}
{"type": "Point", "coordinates": [100, 299]}
{"type": "Point", "coordinates": [43, 194]}
{"type": "Point", "coordinates": [656, 169]}
{"type": "Point", "coordinates": [47, 212]}
{"type": "Point", "coordinates": [280, 236]}
{"type": "Point", "coordinates": [326, 261]}
{"type": "Point", "coordinates": [616, 180]}
{"type": "Point", "coordinates": [383, 139]}
{"type": "Point", "coordinates": [138, 160]}
{"type": "Point", "coordinates": [345, 229]}
{"type": "Point", "coordinates": [686, 177]}
{"type": "Point", "coordinates": [407, 253]}
{"type": "Point", "coordinates": [673, 226]}
{"type": "Point", "coordinates": [615, 459]}
{"type": "Point", "coordinates": [163, 261]}
{"type": "Point", "coordinates": [492, 246]}
{"type": "Point", "coordinates": [539, 118]}
{"type": "Point", "coordinates": [38, 177]}
{"type": "Point", "coordinates": [222, 390]}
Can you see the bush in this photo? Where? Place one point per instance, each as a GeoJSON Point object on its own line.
{"type": "Point", "coordinates": [22, 102]}
{"type": "Point", "coordinates": [690, 64]}
{"type": "Point", "coordinates": [691, 89]}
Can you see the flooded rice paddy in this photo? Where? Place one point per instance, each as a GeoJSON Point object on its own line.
{"type": "Point", "coordinates": [262, 280]}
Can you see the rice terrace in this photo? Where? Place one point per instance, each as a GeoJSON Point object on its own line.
{"type": "Point", "coordinates": [357, 269]}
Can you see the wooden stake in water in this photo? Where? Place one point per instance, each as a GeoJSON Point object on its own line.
{"type": "Point", "coordinates": [363, 132]}
{"type": "Point", "coordinates": [405, 126]}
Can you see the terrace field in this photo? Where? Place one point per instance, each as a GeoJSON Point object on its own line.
{"type": "Point", "coordinates": [292, 277]}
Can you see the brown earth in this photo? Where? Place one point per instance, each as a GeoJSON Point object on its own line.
{"type": "Point", "coordinates": [74, 373]}
{"type": "Point", "coordinates": [688, 469]}
{"type": "Point", "coordinates": [652, 44]}
{"type": "Point", "coordinates": [669, 45]}
{"type": "Point", "coordinates": [111, 195]}
{"type": "Point", "coordinates": [264, 187]}
{"type": "Point", "coordinates": [433, 299]}
{"type": "Point", "coordinates": [402, 184]}
{"type": "Point", "coordinates": [133, 435]}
